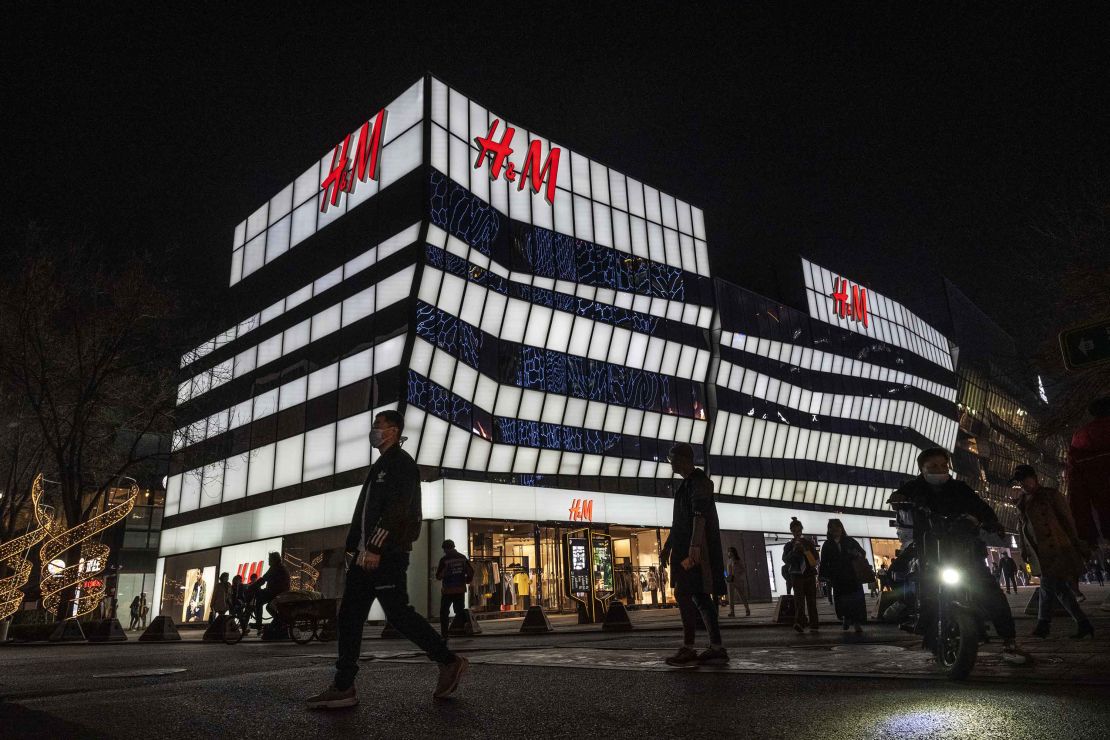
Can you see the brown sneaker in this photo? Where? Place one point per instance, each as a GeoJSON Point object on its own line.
{"type": "Point", "coordinates": [684, 658]}
{"type": "Point", "coordinates": [333, 698]}
{"type": "Point", "coordinates": [449, 675]}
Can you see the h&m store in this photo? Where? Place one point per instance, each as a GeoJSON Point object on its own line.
{"type": "Point", "coordinates": [549, 328]}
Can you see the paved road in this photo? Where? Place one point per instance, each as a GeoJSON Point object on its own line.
{"type": "Point", "coordinates": [780, 685]}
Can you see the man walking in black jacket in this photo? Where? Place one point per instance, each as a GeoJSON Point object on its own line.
{"type": "Point", "coordinates": [693, 551]}
{"type": "Point", "coordinates": [385, 523]}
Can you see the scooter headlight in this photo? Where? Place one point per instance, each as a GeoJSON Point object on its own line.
{"type": "Point", "coordinates": [950, 576]}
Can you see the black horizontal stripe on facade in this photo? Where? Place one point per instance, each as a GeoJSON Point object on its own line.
{"type": "Point", "coordinates": [386, 214]}
{"type": "Point", "coordinates": [838, 384]}
{"type": "Point", "coordinates": [440, 402]}
{"type": "Point", "coordinates": [742, 404]}
{"type": "Point", "coordinates": [744, 312]}
{"type": "Point", "coordinates": [349, 340]}
{"type": "Point", "coordinates": [350, 400]}
{"type": "Point", "coordinates": [804, 470]}
{"type": "Point", "coordinates": [648, 324]}
{"type": "Point", "coordinates": [509, 363]}
{"type": "Point", "coordinates": [376, 273]}
{"type": "Point", "coordinates": [510, 242]}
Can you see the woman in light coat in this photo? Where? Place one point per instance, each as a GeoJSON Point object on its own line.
{"type": "Point", "coordinates": [1053, 550]}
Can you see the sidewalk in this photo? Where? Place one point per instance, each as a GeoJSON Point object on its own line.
{"type": "Point", "coordinates": [667, 619]}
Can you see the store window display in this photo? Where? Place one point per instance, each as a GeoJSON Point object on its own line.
{"type": "Point", "coordinates": [187, 586]}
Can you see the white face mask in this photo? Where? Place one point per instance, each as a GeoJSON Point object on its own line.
{"type": "Point", "coordinates": [937, 479]}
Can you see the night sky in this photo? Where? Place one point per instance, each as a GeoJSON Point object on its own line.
{"type": "Point", "coordinates": [888, 146]}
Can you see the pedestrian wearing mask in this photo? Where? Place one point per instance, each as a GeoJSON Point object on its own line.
{"type": "Point", "coordinates": [839, 555]}
{"type": "Point", "coordinates": [1053, 548]}
{"type": "Point", "coordinates": [800, 557]}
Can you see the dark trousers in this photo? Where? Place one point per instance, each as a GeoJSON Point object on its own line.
{"type": "Point", "coordinates": [1011, 581]}
{"type": "Point", "coordinates": [805, 599]}
{"type": "Point", "coordinates": [387, 584]}
{"type": "Point", "coordinates": [264, 597]}
{"type": "Point", "coordinates": [690, 606]}
{"type": "Point", "coordinates": [1055, 589]}
{"type": "Point", "coordinates": [988, 596]}
{"type": "Point", "coordinates": [446, 603]}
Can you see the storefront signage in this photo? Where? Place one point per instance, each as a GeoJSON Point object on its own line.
{"type": "Point", "coordinates": [247, 571]}
{"type": "Point", "coordinates": [343, 173]}
{"type": "Point", "coordinates": [603, 564]}
{"type": "Point", "coordinates": [849, 300]}
{"type": "Point", "coordinates": [498, 152]}
{"type": "Point", "coordinates": [581, 510]}
{"type": "Point", "coordinates": [579, 572]}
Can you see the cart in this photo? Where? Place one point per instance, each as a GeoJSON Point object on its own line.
{"type": "Point", "coordinates": [307, 617]}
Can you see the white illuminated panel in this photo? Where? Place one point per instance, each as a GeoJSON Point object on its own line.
{"type": "Point", "coordinates": [887, 320]}
{"type": "Point", "coordinates": [389, 291]}
{"type": "Point", "coordinates": [590, 198]}
{"type": "Point", "coordinates": [367, 259]}
{"type": "Point", "coordinates": [296, 212]}
{"type": "Point", "coordinates": [925, 421]}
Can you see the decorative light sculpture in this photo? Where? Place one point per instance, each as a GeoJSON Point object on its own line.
{"type": "Point", "coordinates": [94, 557]}
{"type": "Point", "coordinates": [302, 575]}
{"type": "Point", "coordinates": [13, 554]}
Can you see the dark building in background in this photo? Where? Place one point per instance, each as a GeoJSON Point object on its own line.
{"type": "Point", "coordinates": [1000, 400]}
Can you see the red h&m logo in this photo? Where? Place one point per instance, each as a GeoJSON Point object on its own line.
{"type": "Point", "coordinates": [849, 301]}
{"type": "Point", "coordinates": [343, 172]}
{"type": "Point", "coordinates": [582, 510]}
{"type": "Point", "coordinates": [246, 571]}
{"type": "Point", "coordinates": [500, 151]}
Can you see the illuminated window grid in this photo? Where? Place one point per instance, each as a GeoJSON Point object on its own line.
{"type": "Point", "coordinates": [765, 438]}
{"type": "Point", "coordinates": [820, 493]}
{"type": "Point", "coordinates": [461, 167]}
{"type": "Point", "coordinates": [465, 120]}
{"type": "Point", "coordinates": [893, 322]}
{"type": "Point", "coordinates": [827, 362]}
{"type": "Point", "coordinates": [315, 384]}
{"type": "Point", "coordinates": [323, 323]}
{"type": "Point", "coordinates": [261, 472]}
{"type": "Point", "coordinates": [928, 423]}
{"type": "Point", "coordinates": [294, 213]}
{"type": "Point", "coordinates": [351, 268]}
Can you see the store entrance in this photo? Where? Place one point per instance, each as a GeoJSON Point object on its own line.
{"type": "Point", "coordinates": [521, 564]}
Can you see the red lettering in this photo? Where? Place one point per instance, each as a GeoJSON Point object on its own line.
{"type": "Point", "coordinates": [859, 304]}
{"type": "Point", "coordinates": [549, 170]}
{"type": "Point", "coordinates": [341, 175]}
{"type": "Point", "coordinates": [588, 510]}
{"type": "Point", "coordinates": [840, 297]}
{"type": "Point", "coordinates": [367, 153]}
{"type": "Point", "coordinates": [499, 149]}
{"type": "Point", "coordinates": [533, 172]}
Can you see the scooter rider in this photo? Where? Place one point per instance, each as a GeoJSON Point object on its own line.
{"type": "Point", "coordinates": [937, 490]}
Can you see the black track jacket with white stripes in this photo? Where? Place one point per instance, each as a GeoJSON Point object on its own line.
{"type": "Point", "coordinates": [387, 516]}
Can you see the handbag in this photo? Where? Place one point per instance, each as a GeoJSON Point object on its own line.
{"type": "Point", "coordinates": [862, 569]}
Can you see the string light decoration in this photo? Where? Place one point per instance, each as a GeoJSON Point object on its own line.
{"type": "Point", "coordinates": [94, 557]}
{"type": "Point", "coordinates": [14, 552]}
{"type": "Point", "coordinates": [303, 575]}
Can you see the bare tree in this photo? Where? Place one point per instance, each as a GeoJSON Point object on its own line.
{"type": "Point", "coordinates": [1077, 230]}
{"type": "Point", "coordinates": [86, 362]}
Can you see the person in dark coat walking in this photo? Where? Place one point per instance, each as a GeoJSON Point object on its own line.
{"type": "Point", "coordinates": [1009, 571]}
{"type": "Point", "coordinates": [384, 525]}
{"type": "Point", "coordinates": [837, 556]}
{"type": "Point", "coordinates": [697, 563]}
